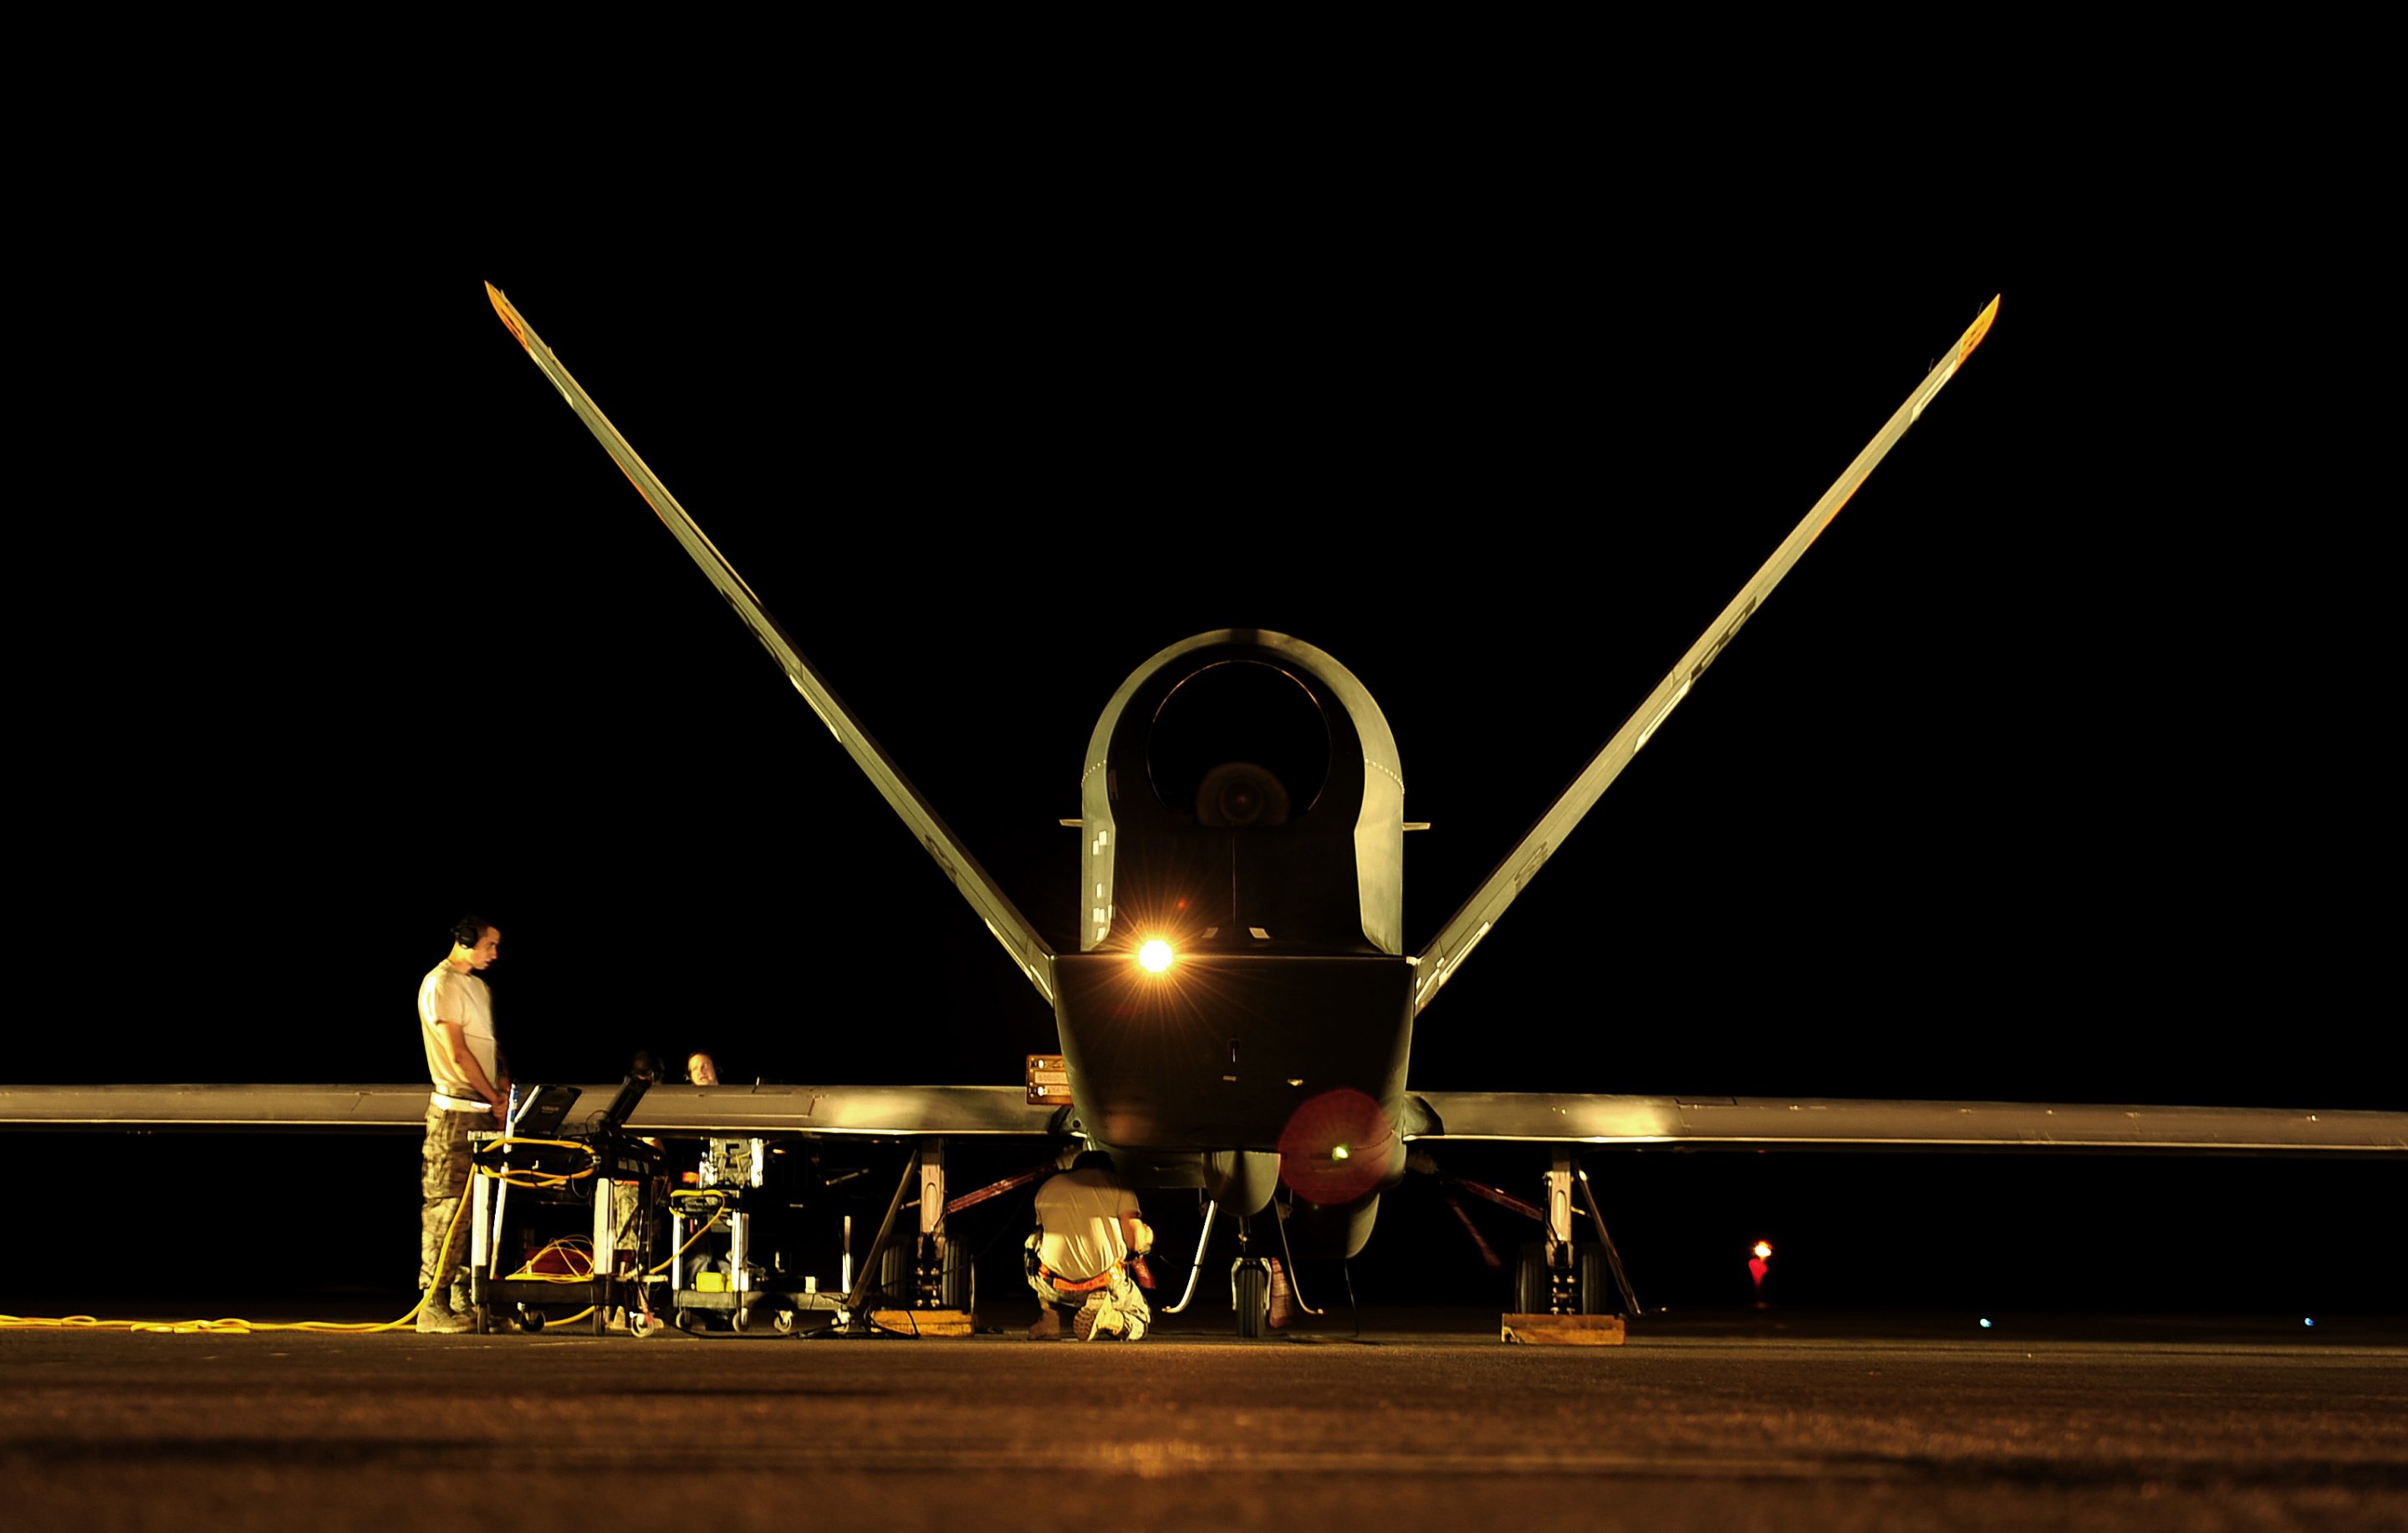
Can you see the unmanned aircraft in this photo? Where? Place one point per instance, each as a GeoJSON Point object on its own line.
{"type": "Point", "coordinates": [1237, 1015]}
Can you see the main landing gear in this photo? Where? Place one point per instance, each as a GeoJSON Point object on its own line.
{"type": "Point", "coordinates": [1555, 1277]}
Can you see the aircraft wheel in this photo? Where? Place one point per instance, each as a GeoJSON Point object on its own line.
{"type": "Point", "coordinates": [1531, 1296]}
{"type": "Point", "coordinates": [1252, 1286]}
{"type": "Point", "coordinates": [899, 1277]}
{"type": "Point", "coordinates": [895, 1274]}
{"type": "Point", "coordinates": [1531, 1288]}
{"type": "Point", "coordinates": [1597, 1295]}
{"type": "Point", "coordinates": [958, 1284]}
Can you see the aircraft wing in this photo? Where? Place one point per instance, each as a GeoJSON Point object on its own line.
{"type": "Point", "coordinates": [1503, 1117]}
{"type": "Point", "coordinates": [1463, 931]}
{"type": "Point", "coordinates": [1798, 1124]}
{"type": "Point", "coordinates": [1030, 951]}
{"type": "Point", "coordinates": [726, 1111]}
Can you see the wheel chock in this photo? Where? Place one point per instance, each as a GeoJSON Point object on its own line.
{"type": "Point", "coordinates": [926, 1321]}
{"type": "Point", "coordinates": [1564, 1330]}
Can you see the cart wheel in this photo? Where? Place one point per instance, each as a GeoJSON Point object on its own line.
{"type": "Point", "coordinates": [601, 1320]}
{"type": "Point", "coordinates": [784, 1322]}
{"type": "Point", "coordinates": [483, 1316]}
{"type": "Point", "coordinates": [686, 1320]}
{"type": "Point", "coordinates": [740, 1319]}
{"type": "Point", "coordinates": [530, 1321]}
{"type": "Point", "coordinates": [641, 1325]}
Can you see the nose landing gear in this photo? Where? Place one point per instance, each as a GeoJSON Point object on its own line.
{"type": "Point", "coordinates": [1250, 1286]}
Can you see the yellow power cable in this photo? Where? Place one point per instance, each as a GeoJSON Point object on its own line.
{"type": "Point", "coordinates": [587, 1312]}
{"type": "Point", "coordinates": [539, 1179]}
{"type": "Point", "coordinates": [570, 1249]}
{"type": "Point", "coordinates": [690, 1240]}
{"type": "Point", "coordinates": [234, 1326]}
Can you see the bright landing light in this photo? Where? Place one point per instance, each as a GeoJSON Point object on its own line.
{"type": "Point", "coordinates": [1155, 956]}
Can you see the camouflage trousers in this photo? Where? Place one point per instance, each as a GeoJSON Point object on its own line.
{"type": "Point", "coordinates": [1122, 1294]}
{"type": "Point", "coordinates": [443, 1181]}
{"type": "Point", "coordinates": [627, 1207]}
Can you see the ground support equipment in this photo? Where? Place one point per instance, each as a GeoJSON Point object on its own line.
{"type": "Point", "coordinates": [493, 1298]}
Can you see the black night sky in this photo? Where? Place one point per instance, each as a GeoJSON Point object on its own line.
{"type": "Point", "coordinates": [2050, 774]}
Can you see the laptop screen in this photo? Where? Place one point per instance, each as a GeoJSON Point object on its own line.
{"type": "Point", "coordinates": [630, 1092]}
{"type": "Point", "coordinates": [542, 1112]}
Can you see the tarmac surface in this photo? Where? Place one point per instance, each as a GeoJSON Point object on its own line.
{"type": "Point", "coordinates": [1422, 1418]}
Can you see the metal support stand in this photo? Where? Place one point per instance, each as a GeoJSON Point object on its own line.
{"type": "Point", "coordinates": [606, 1236]}
{"type": "Point", "coordinates": [677, 1249]}
{"type": "Point", "coordinates": [740, 1251]}
{"type": "Point", "coordinates": [481, 1222]}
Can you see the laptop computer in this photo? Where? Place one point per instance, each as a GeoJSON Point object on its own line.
{"type": "Point", "coordinates": [542, 1112]}
{"type": "Point", "coordinates": [631, 1090]}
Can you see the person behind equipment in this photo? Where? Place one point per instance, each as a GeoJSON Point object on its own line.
{"type": "Point", "coordinates": [1089, 1234]}
{"type": "Point", "coordinates": [472, 1086]}
{"type": "Point", "coordinates": [626, 1197]}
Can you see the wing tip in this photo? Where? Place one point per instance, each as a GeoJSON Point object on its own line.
{"type": "Point", "coordinates": [1980, 327]}
{"type": "Point", "coordinates": [510, 320]}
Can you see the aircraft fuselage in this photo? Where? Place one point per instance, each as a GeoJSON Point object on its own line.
{"type": "Point", "coordinates": [1222, 1051]}
{"type": "Point", "coordinates": [1243, 807]}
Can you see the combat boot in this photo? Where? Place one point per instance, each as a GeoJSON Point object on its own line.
{"type": "Point", "coordinates": [1100, 1321]}
{"type": "Point", "coordinates": [437, 1318]}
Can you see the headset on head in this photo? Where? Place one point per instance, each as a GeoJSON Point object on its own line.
{"type": "Point", "coordinates": [469, 930]}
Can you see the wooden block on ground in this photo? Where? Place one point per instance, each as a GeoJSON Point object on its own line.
{"type": "Point", "coordinates": [1565, 1330]}
{"type": "Point", "coordinates": [924, 1322]}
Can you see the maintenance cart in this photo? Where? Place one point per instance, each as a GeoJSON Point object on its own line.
{"type": "Point", "coordinates": [534, 1174]}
